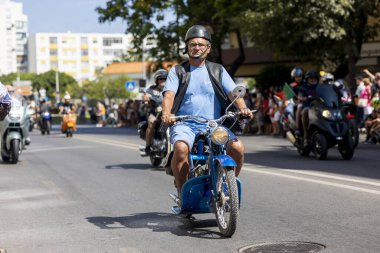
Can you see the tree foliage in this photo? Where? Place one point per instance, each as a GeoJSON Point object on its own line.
{"type": "Point", "coordinates": [46, 80]}
{"type": "Point", "coordinates": [165, 22]}
{"type": "Point", "coordinates": [327, 32]}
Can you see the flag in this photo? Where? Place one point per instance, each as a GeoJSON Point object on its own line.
{"type": "Point", "coordinates": [289, 93]}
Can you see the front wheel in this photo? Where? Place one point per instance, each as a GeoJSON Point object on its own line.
{"type": "Point", "coordinates": [156, 162]}
{"type": "Point", "coordinates": [346, 148]}
{"type": "Point", "coordinates": [15, 150]}
{"type": "Point", "coordinates": [227, 202]}
{"type": "Point", "coordinates": [320, 146]}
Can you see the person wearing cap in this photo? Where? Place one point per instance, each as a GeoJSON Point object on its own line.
{"type": "Point", "coordinates": [66, 105]}
{"type": "Point", "coordinates": [203, 93]}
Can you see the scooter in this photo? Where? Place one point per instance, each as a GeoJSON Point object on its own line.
{"type": "Point", "coordinates": [45, 122]}
{"type": "Point", "coordinates": [328, 126]}
{"type": "Point", "coordinates": [68, 124]}
{"type": "Point", "coordinates": [14, 130]}
{"type": "Point", "coordinates": [212, 186]}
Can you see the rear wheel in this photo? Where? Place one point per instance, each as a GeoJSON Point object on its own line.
{"type": "Point", "coordinates": [15, 150]}
{"type": "Point", "coordinates": [354, 132]}
{"type": "Point", "coordinates": [227, 203]}
{"type": "Point", "coordinates": [320, 146]}
{"type": "Point", "coordinates": [156, 162]}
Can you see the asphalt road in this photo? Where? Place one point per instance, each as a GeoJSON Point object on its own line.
{"type": "Point", "coordinates": [94, 193]}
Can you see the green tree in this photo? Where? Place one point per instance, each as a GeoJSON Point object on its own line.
{"type": "Point", "coordinates": [107, 89]}
{"type": "Point", "coordinates": [330, 33]}
{"type": "Point", "coordinates": [45, 80]}
{"type": "Point", "coordinates": [150, 21]}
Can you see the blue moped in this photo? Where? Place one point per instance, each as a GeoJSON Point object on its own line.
{"type": "Point", "coordinates": [212, 186]}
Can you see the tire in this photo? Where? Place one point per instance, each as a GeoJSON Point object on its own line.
{"type": "Point", "coordinates": [5, 158]}
{"type": "Point", "coordinates": [69, 132]}
{"type": "Point", "coordinates": [14, 150]}
{"type": "Point", "coordinates": [346, 147]}
{"type": "Point", "coordinates": [354, 132]}
{"type": "Point", "coordinates": [227, 206]}
{"type": "Point", "coordinates": [48, 127]}
{"type": "Point", "coordinates": [156, 162]}
{"type": "Point", "coordinates": [320, 146]}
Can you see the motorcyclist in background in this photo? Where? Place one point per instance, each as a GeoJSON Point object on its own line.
{"type": "Point", "coordinates": [44, 107]}
{"type": "Point", "coordinates": [297, 76]}
{"type": "Point", "coordinates": [5, 101]}
{"type": "Point", "coordinates": [307, 93]}
{"type": "Point", "coordinates": [66, 105]}
{"type": "Point", "coordinates": [327, 78]}
{"type": "Point", "coordinates": [159, 78]}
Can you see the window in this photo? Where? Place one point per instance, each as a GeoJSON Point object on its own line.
{"type": "Point", "coordinates": [53, 52]}
{"type": "Point", "coordinates": [110, 41]}
{"type": "Point", "coordinates": [53, 40]}
{"type": "Point", "coordinates": [20, 24]}
{"type": "Point", "coordinates": [83, 40]}
{"type": "Point", "coordinates": [84, 52]}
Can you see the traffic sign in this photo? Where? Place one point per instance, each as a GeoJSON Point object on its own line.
{"type": "Point", "coordinates": [130, 85]}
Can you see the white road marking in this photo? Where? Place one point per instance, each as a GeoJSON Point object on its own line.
{"type": "Point", "coordinates": [111, 143]}
{"type": "Point", "coordinates": [56, 148]}
{"type": "Point", "coordinates": [344, 186]}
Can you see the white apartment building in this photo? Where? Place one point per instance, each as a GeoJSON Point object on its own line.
{"type": "Point", "coordinates": [76, 54]}
{"type": "Point", "coordinates": [13, 38]}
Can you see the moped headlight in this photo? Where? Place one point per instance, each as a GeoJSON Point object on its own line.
{"type": "Point", "coordinates": [159, 109]}
{"type": "Point", "coordinates": [326, 114]}
{"type": "Point", "coordinates": [219, 136]}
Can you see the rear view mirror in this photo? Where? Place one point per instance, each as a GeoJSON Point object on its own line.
{"type": "Point", "coordinates": [239, 91]}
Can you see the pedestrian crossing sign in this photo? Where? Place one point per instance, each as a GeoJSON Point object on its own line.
{"type": "Point", "coordinates": [130, 85]}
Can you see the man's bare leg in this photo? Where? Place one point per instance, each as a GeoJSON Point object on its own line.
{"type": "Point", "coordinates": [235, 149]}
{"type": "Point", "coordinates": [180, 164]}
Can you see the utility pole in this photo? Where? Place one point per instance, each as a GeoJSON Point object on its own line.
{"type": "Point", "coordinates": [57, 95]}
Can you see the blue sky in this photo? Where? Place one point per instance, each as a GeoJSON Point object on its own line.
{"type": "Point", "coordinates": [67, 15]}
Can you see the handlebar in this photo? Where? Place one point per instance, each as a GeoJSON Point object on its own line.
{"type": "Point", "coordinates": [204, 121]}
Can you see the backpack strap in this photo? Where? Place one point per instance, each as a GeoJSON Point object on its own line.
{"type": "Point", "coordinates": [183, 73]}
{"type": "Point", "coordinates": [215, 72]}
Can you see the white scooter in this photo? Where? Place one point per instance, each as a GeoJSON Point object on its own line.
{"type": "Point", "coordinates": [14, 130]}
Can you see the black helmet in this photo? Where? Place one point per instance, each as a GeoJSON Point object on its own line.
{"type": "Point", "coordinates": [197, 31]}
{"type": "Point", "coordinates": [311, 74]}
{"type": "Point", "coordinates": [160, 74]}
{"type": "Point", "coordinates": [296, 72]}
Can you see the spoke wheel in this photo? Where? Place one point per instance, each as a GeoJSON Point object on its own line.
{"type": "Point", "coordinates": [227, 203]}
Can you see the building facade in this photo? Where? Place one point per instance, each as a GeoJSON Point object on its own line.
{"type": "Point", "coordinates": [80, 55]}
{"type": "Point", "coordinates": [13, 38]}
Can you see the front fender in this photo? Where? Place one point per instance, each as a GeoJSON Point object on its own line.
{"type": "Point", "coordinates": [11, 136]}
{"type": "Point", "coordinates": [225, 160]}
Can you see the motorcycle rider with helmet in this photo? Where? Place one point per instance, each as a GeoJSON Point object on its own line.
{"type": "Point", "coordinates": [296, 74]}
{"type": "Point", "coordinates": [193, 91]}
{"type": "Point", "coordinates": [5, 101]}
{"type": "Point", "coordinates": [66, 105]}
{"type": "Point", "coordinates": [159, 78]}
{"type": "Point", "coordinates": [306, 94]}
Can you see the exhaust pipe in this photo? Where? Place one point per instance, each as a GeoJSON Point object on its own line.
{"type": "Point", "coordinates": [290, 137]}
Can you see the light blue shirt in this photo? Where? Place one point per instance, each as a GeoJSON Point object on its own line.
{"type": "Point", "coordinates": [200, 98]}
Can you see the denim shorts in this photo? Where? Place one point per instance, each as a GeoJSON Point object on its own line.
{"type": "Point", "coordinates": [186, 132]}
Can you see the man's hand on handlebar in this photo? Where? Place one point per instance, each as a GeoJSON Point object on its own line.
{"type": "Point", "coordinates": [246, 113]}
{"type": "Point", "coordinates": [168, 119]}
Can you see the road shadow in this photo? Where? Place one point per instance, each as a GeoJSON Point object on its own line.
{"type": "Point", "coordinates": [363, 164]}
{"type": "Point", "coordinates": [160, 222]}
{"type": "Point", "coordinates": [133, 166]}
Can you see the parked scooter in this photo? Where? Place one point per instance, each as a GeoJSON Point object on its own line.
{"type": "Point", "coordinates": [212, 186]}
{"type": "Point", "coordinates": [68, 124]}
{"type": "Point", "coordinates": [14, 130]}
{"type": "Point", "coordinates": [161, 148]}
{"type": "Point", "coordinates": [328, 126]}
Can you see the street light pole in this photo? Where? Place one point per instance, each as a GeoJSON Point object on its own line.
{"type": "Point", "coordinates": [57, 87]}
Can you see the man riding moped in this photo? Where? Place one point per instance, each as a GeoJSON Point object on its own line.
{"type": "Point", "coordinates": [200, 93]}
{"type": "Point", "coordinates": [159, 83]}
